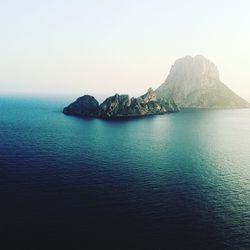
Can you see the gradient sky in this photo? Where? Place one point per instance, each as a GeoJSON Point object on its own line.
{"type": "Point", "coordinates": [104, 47]}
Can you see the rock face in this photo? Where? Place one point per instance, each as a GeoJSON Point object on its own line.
{"type": "Point", "coordinates": [84, 106]}
{"type": "Point", "coordinates": [119, 106]}
{"type": "Point", "coordinates": [195, 82]}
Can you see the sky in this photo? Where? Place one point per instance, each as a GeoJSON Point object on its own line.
{"type": "Point", "coordinates": [102, 47]}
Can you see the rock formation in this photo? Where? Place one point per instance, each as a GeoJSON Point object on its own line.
{"type": "Point", "coordinates": [120, 106]}
{"type": "Point", "coordinates": [192, 82]}
{"type": "Point", "coordinates": [84, 106]}
{"type": "Point", "coordinates": [195, 82]}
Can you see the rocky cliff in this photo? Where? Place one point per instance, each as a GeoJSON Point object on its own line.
{"type": "Point", "coordinates": [119, 106]}
{"type": "Point", "coordinates": [195, 82]}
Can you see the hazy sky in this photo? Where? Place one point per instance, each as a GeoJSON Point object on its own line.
{"type": "Point", "coordinates": [104, 47]}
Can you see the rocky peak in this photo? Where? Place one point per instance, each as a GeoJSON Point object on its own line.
{"type": "Point", "coordinates": [195, 82]}
{"type": "Point", "coordinates": [149, 96]}
{"type": "Point", "coordinates": [197, 71]}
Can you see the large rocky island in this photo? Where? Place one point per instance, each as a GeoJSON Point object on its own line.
{"type": "Point", "coordinates": [195, 82]}
{"type": "Point", "coordinates": [121, 106]}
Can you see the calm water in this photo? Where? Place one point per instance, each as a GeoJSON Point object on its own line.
{"type": "Point", "coordinates": [175, 181]}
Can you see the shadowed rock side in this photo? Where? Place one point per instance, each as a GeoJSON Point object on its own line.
{"type": "Point", "coordinates": [119, 106]}
{"type": "Point", "coordinates": [195, 82]}
{"type": "Point", "coordinates": [84, 106]}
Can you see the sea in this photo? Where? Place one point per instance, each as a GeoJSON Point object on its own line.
{"type": "Point", "coordinates": [173, 181]}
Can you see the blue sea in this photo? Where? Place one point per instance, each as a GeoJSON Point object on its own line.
{"type": "Point", "coordinates": [174, 181]}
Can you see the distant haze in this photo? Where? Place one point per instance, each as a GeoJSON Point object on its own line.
{"type": "Point", "coordinates": [104, 47]}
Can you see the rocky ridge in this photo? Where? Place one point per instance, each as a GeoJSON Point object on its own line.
{"type": "Point", "coordinates": [121, 106]}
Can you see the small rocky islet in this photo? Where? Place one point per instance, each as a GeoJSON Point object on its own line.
{"type": "Point", "coordinates": [121, 106]}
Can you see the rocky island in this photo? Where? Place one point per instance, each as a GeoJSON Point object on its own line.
{"type": "Point", "coordinates": [193, 82]}
{"type": "Point", "coordinates": [121, 106]}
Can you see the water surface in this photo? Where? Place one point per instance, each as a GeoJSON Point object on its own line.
{"type": "Point", "coordinates": [161, 182]}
